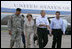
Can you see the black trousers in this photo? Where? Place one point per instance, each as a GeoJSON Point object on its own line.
{"type": "Point", "coordinates": [42, 37]}
{"type": "Point", "coordinates": [57, 37]}
{"type": "Point", "coordinates": [23, 38]}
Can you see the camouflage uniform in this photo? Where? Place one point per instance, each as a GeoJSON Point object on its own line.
{"type": "Point", "coordinates": [15, 24]}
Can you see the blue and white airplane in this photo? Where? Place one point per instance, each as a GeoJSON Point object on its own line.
{"type": "Point", "coordinates": [34, 7]}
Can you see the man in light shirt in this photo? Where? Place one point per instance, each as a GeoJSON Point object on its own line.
{"type": "Point", "coordinates": [58, 28]}
{"type": "Point", "coordinates": [42, 25]}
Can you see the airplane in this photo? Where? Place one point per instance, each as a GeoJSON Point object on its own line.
{"type": "Point", "coordinates": [35, 7]}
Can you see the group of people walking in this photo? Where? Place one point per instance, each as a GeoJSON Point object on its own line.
{"type": "Point", "coordinates": [29, 30]}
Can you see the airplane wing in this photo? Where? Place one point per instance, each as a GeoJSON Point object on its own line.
{"type": "Point", "coordinates": [54, 17]}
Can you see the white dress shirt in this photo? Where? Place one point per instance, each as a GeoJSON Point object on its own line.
{"type": "Point", "coordinates": [42, 20]}
{"type": "Point", "coordinates": [57, 24]}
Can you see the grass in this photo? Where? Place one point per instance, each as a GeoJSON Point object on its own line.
{"type": "Point", "coordinates": [4, 31]}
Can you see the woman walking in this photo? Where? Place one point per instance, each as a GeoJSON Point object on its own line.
{"type": "Point", "coordinates": [29, 31]}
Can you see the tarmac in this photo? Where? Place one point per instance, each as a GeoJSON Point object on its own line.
{"type": "Point", "coordinates": [5, 41]}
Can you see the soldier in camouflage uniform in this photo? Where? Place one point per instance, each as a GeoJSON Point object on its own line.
{"type": "Point", "coordinates": [15, 26]}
